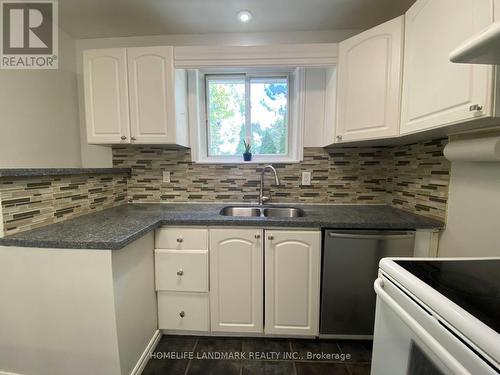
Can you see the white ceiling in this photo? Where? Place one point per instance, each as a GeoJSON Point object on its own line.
{"type": "Point", "coordinates": [114, 18]}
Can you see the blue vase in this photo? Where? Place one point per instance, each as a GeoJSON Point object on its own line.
{"type": "Point", "coordinates": [247, 156]}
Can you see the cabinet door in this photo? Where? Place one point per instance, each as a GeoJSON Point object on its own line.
{"type": "Point", "coordinates": [437, 92]}
{"type": "Point", "coordinates": [236, 284]}
{"type": "Point", "coordinates": [319, 107]}
{"type": "Point", "coordinates": [292, 282]}
{"type": "Point", "coordinates": [106, 96]}
{"type": "Point", "coordinates": [152, 98]}
{"type": "Point", "coordinates": [369, 83]}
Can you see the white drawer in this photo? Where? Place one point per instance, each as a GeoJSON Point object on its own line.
{"type": "Point", "coordinates": [182, 238]}
{"type": "Point", "coordinates": [181, 270]}
{"type": "Point", "coordinates": [183, 311]}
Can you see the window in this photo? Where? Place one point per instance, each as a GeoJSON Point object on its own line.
{"type": "Point", "coordinates": [241, 106]}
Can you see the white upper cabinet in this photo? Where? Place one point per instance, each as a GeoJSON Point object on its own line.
{"type": "Point", "coordinates": [236, 280]}
{"type": "Point", "coordinates": [319, 106]}
{"type": "Point", "coordinates": [437, 92]}
{"type": "Point", "coordinates": [106, 95]}
{"type": "Point", "coordinates": [153, 96]}
{"type": "Point", "coordinates": [135, 95]}
{"type": "Point", "coordinates": [292, 282]}
{"type": "Point", "coordinates": [369, 83]}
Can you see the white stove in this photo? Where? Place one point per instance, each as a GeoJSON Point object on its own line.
{"type": "Point", "coordinates": [437, 316]}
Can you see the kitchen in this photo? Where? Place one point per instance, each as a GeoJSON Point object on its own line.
{"type": "Point", "coordinates": [256, 187]}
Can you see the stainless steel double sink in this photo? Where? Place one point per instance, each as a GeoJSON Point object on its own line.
{"type": "Point", "coordinates": [257, 211]}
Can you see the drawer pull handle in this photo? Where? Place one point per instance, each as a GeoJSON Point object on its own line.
{"type": "Point", "coordinates": [257, 236]}
{"type": "Point", "coordinates": [182, 314]}
{"type": "Point", "coordinates": [270, 238]}
{"type": "Point", "coordinates": [476, 108]}
{"type": "Point", "coordinates": [180, 273]}
{"type": "Point", "coordinates": [179, 240]}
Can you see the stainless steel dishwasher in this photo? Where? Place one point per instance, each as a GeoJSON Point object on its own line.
{"type": "Point", "coordinates": [350, 266]}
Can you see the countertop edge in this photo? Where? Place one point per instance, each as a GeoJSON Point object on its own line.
{"type": "Point", "coordinates": [76, 245]}
{"type": "Point", "coordinates": [41, 172]}
{"type": "Point", "coordinates": [123, 242]}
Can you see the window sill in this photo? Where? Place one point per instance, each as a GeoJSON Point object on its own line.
{"type": "Point", "coordinates": [240, 161]}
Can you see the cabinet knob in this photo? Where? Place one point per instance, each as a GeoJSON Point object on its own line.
{"type": "Point", "coordinates": [339, 137]}
{"type": "Point", "coordinates": [257, 236]}
{"type": "Point", "coordinates": [179, 240]}
{"type": "Point", "coordinates": [270, 238]}
{"type": "Point", "coordinates": [182, 314]}
{"type": "Point", "coordinates": [123, 137]}
{"type": "Point", "coordinates": [475, 107]}
{"type": "Point", "coordinates": [180, 273]}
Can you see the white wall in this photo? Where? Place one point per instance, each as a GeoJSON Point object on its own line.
{"type": "Point", "coordinates": [236, 39]}
{"type": "Point", "coordinates": [39, 124]}
{"type": "Point", "coordinates": [100, 156]}
{"type": "Point", "coordinates": [473, 221]}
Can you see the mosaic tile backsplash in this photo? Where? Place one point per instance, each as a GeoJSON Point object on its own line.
{"type": "Point", "coordinates": [418, 178]}
{"type": "Point", "coordinates": [337, 177]}
{"type": "Point", "coordinates": [37, 201]}
{"type": "Point", "coordinates": [412, 177]}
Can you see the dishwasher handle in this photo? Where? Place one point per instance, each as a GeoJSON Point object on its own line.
{"type": "Point", "coordinates": [385, 236]}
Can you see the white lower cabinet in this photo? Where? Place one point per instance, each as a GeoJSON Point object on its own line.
{"type": "Point", "coordinates": [183, 311]}
{"type": "Point", "coordinates": [182, 238]}
{"type": "Point", "coordinates": [222, 286]}
{"type": "Point", "coordinates": [292, 282]}
{"type": "Point", "coordinates": [291, 285]}
{"type": "Point", "coordinates": [181, 270]}
{"type": "Point", "coordinates": [236, 280]}
{"type": "Point", "coordinates": [181, 278]}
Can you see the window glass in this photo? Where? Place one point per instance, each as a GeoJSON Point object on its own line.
{"type": "Point", "coordinates": [226, 115]}
{"type": "Point", "coordinates": [269, 115]}
{"type": "Point", "coordinates": [241, 108]}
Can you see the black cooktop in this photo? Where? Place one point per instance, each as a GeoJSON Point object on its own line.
{"type": "Point", "coordinates": [474, 285]}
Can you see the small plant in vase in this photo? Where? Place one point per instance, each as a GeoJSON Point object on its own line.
{"type": "Point", "coordinates": [247, 155]}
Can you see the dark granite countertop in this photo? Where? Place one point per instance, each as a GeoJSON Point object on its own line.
{"type": "Point", "coordinates": [114, 228]}
{"type": "Point", "coordinates": [34, 172]}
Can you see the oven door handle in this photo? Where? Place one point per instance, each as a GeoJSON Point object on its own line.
{"type": "Point", "coordinates": [453, 365]}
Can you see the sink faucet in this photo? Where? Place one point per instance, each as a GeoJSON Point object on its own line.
{"type": "Point", "coordinates": [262, 198]}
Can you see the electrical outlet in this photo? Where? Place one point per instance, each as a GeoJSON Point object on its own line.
{"type": "Point", "coordinates": [166, 177]}
{"type": "Point", "coordinates": [306, 178]}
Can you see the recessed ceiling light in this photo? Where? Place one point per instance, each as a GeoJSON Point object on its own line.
{"type": "Point", "coordinates": [244, 16]}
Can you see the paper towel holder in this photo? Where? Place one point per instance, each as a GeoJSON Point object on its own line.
{"type": "Point", "coordinates": [484, 149]}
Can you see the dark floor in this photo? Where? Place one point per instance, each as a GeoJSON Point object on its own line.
{"type": "Point", "coordinates": [189, 355]}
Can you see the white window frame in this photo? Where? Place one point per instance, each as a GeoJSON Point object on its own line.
{"type": "Point", "coordinates": [198, 114]}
